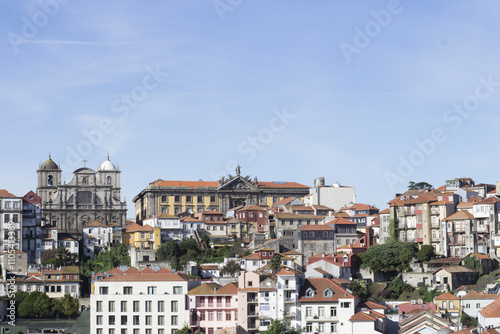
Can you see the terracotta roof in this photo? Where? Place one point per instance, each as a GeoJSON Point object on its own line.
{"type": "Point", "coordinates": [253, 207]}
{"type": "Point", "coordinates": [342, 214]}
{"type": "Point", "coordinates": [446, 296]}
{"type": "Point", "coordinates": [287, 272]}
{"type": "Point", "coordinates": [284, 201]}
{"type": "Point", "coordinates": [291, 252]}
{"type": "Point", "coordinates": [147, 278]}
{"type": "Point", "coordinates": [138, 228]}
{"type": "Point", "coordinates": [164, 271]}
{"type": "Point", "coordinates": [148, 270]}
{"type": "Point", "coordinates": [489, 200]}
{"type": "Point", "coordinates": [478, 295]}
{"type": "Point", "coordinates": [319, 285]}
{"type": "Point", "coordinates": [341, 221]}
{"type": "Point", "coordinates": [374, 305]}
{"type": "Point", "coordinates": [253, 256]}
{"type": "Point", "coordinates": [322, 207]}
{"type": "Point", "coordinates": [32, 197]}
{"type": "Point", "coordinates": [131, 271]}
{"type": "Point", "coordinates": [299, 208]}
{"type": "Point", "coordinates": [492, 310]}
{"type": "Point", "coordinates": [281, 185]}
{"type": "Point", "coordinates": [456, 269]}
{"type": "Point", "coordinates": [189, 184]}
{"type": "Point", "coordinates": [166, 216]}
{"type": "Point", "coordinates": [465, 205]}
{"type": "Point", "coordinates": [98, 274]}
{"type": "Point", "coordinates": [384, 211]}
{"type": "Point", "coordinates": [209, 267]}
{"type": "Point", "coordinates": [204, 289]}
{"type": "Point", "coordinates": [481, 256]}
{"type": "Point", "coordinates": [228, 289]}
{"type": "Point", "coordinates": [460, 215]}
{"type": "Point", "coordinates": [367, 315]}
{"type": "Point", "coordinates": [190, 219]}
{"type": "Point", "coordinates": [94, 223]}
{"type": "Point", "coordinates": [5, 193]}
{"type": "Point", "coordinates": [296, 216]}
{"type": "Point", "coordinates": [115, 271]}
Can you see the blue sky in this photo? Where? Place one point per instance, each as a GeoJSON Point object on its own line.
{"type": "Point", "coordinates": [76, 80]}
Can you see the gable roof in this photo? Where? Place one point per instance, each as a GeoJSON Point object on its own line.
{"type": "Point", "coordinates": [228, 289]}
{"type": "Point", "coordinates": [446, 296]}
{"type": "Point", "coordinates": [341, 221]}
{"type": "Point", "coordinates": [204, 289]}
{"type": "Point", "coordinates": [134, 227]}
{"type": "Point", "coordinates": [473, 295]}
{"type": "Point", "coordinates": [319, 285]}
{"type": "Point", "coordinates": [94, 223]}
{"type": "Point", "coordinates": [460, 215]}
{"type": "Point", "coordinates": [5, 193]}
{"type": "Point", "coordinates": [492, 310]}
{"type": "Point", "coordinates": [367, 315]}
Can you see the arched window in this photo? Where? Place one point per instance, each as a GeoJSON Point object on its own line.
{"type": "Point", "coordinates": [331, 235]}
{"type": "Point", "coordinates": [108, 180]}
{"type": "Point", "coordinates": [85, 180]}
{"type": "Point", "coordinates": [49, 180]}
{"type": "Point", "coordinates": [305, 235]}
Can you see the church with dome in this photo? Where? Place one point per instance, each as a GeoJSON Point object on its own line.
{"type": "Point", "coordinates": [90, 195]}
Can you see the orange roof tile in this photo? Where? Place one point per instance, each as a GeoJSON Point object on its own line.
{"type": "Point", "coordinates": [164, 271]}
{"type": "Point", "coordinates": [316, 228]}
{"type": "Point", "coordinates": [460, 215]}
{"type": "Point", "coordinates": [367, 315]}
{"type": "Point", "coordinates": [131, 271]}
{"type": "Point", "coordinates": [147, 278]}
{"type": "Point", "coordinates": [478, 295]}
{"type": "Point", "coordinates": [5, 193]}
{"type": "Point", "coordinates": [492, 310]}
{"type": "Point", "coordinates": [446, 296]}
{"type": "Point", "coordinates": [228, 289]}
{"type": "Point", "coordinates": [148, 270]}
{"type": "Point", "coordinates": [341, 221]}
{"type": "Point", "coordinates": [115, 271]}
{"type": "Point", "coordinates": [319, 285]}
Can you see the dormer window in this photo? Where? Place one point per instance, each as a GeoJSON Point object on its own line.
{"type": "Point", "coordinates": [310, 292]}
{"type": "Point", "coordinates": [328, 293]}
{"type": "Point", "coordinates": [264, 253]}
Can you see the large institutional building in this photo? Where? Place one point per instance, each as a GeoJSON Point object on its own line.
{"type": "Point", "coordinates": [89, 196]}
{"type": "Point", "coordinates": [174, 197]}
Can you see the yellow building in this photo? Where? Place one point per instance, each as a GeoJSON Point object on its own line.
{"type": "Point", "coordinates": [142, 237]}
{"type": "Point", "coordinates": [174, 197]}
{"type": "Point", "coordinates": [448, 304]}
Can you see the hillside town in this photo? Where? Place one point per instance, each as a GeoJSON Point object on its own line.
{"type": "Point", "coordinates": [240, 256]}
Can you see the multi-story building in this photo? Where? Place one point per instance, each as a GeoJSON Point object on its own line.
{"type": "Point", "coordinates": [55, 282]}
{"type": "Point", "coordinates": [11, 209]}
{"type": "Point", "coordinates": [257, 259]}
{"type": "Point", "coordinates": [97, 237]}
{"type": "Point", "coordinates": [32, 227]}
{"type": "Point", "coordinates": [473, 302]}
{"type": "Point", "coordinates": [170, 226]}
{"type": "Point", "coordinates": [385, 219]}
{"type": "Point", "coordinates": [89, 196]}
{"type": "Point", "coordinates": [334, 196]}
{"type": "Point", "coordinates": [142, 237]}
{"type": "Point", "coordinates": [49, 237]}
{"type": "Point", "coordinates": [361, 214]}
{"type": "Point", "coordinates": [174, 197]}
{"type": "Point", "coordinates": [256, 218]}
{"type": "Point", "coordinates": [458, 233]}
{"type": "Point", "coordinates": [345, 232]}
{"type": "Point", "coordinates": [286, 225]}
{"type": "Point", "coordinates": [288, 286]}
{"type": "Point", "coordinates": [326, 307]}
{"type": "Point", "coordinates": [213, 307]}
{"type": "Point", "coordinates": [486, 221]}
{"type": "Point", "coordinates": [140, 303]}
{"type": "Point", "coordinates": [312, 239]}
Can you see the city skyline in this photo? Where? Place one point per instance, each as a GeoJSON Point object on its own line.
{"type": "Point", "coordinates": [372, 95]}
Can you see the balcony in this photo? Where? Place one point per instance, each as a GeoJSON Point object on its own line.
{"type": "Point", "coordinates": [252, 314]}
{"type": "Point", "coordinates": [252, 300]}
{"type": "Point", "coordinates": [290, 315]}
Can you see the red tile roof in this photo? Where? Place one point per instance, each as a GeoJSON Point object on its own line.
{"type": "Point", "coordinates": [446, 296]}
{"type": "Point", "coordinates": [472, 295]}
{"type": "Point", "coordinates": [341, 221]}
{"type": "Point", "coordinates": [316, 228]}
{"type": "Point", "coordinates": [367, 315]}
{"type": "Point", "coordinates": [492, 310]}
{"type": "Point", "coordinates": [5, 193]}
{"type": "Point", "coordinates": [32, 197]}
{"type": "Point", "coordinates": [147, 278]}
{"type": "Point", "coordinates": [460, 215]}
{"type": "Point", "coordinates": [134, 227]}
{"type": "Point", "coordinates": [319, 285]}
{"type": "Point", "coordinates": [284, 201]}
{"type": "Point", "coordinates": [190, 184]}
{"type": "Point", "coordinates": [115, 271]}
{"type": "Point", "coordinates": [131, 271]}
{"type": "Point", "coordinates": [148, 271]}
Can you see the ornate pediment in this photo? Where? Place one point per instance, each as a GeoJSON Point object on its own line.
{"type": "Point", "coordinates": [238, 182]}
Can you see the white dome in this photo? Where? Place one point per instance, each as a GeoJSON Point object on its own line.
{"type": "Point", "coordinates": [107, 165]}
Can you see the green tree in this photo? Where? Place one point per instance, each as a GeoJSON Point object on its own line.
{"type": "Point", "coordinates": [19, 297]}
{"type": "Point", "coordinates": [359, 288]}
{"type": "Point", "coordinates": [277, 326]}
{"type": "Point", "coordinates": [390, 256]}
{"type": "Point", "coordinates": [397, 287]}
{"type": "Point", "coordinates": [67, 305]}
{"type": "Point", "coordinates": [467, 321]}
{"type": "Point", "coordinates": [36, 304]}
{"type": "Point", "coordinates": [420, 185]}
{"type": "Point", "coordinates": [393, 231]}
{"type": "Point", "coordinates": [231, 268]}
{"type": "Point", "coordinates": [275, 263]}
{"type": "Point", "coordinates": [425, 253]}
{"type": "Point", "coordinates": [184, 330]}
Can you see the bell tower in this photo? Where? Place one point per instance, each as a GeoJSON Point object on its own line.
{"type": "Point", "coordinates": [49, 178]}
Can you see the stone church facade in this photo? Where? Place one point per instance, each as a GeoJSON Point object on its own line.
{"type": "Point", "coordinates": [174, 197]}
{"type": "Point", "coordinates": [90, 195]}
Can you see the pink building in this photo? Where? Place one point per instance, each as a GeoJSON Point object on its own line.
{"type": "Point", "coordinates": [213, 307]}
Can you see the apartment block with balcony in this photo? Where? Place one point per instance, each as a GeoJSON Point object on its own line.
{"type": "Point", "coordinates": [32, 227]}
{"type": "Point", "coordinates": [10, 221]}
{"type": "Point", "coordinates": [326, 307]}
{"type": "Point", "coordinates": [458, 234]}
{"type": "Point", "coordinates": [486, 222]}
{"type": "Point", "coordinates": [288, 286]}
{"type": "Point", "coordinates": [213, 307]}
{"type": "Point", "coordinates": [140, 303]}
{"type": "Point", "coordinates": [96, 237]}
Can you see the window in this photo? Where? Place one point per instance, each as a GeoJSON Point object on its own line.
{"type": "Point", "coordinates": [98, 320]}
{"type": "Point", "coordinates": [212, 199]}
{"type": "Point", "coordinates": [328, 293]}
{"type": "Point", "coordinates": [103, 290]}
{"type": "Point", "coordinates": [189, 199]}
{"type": "Point", "coordinates": [111, 306]}
{"type": "Point", "coordinates": [111, 331]}
{"type": "Point", "coordinates": [127, 290]}
{"type": "Point", "coordinates": [228, 301]}
{"type": "Point", "coordinates": [124, 320]}
{"type": "Point", "coordinates": [202, 316]}
{"type": "Point", "coordinates": [164, 198]}
{"type": "Point", "coordinates": [228, 316]}
{"type": "Point", "coordinates": [98, 307]}
{"type": "Point", "coordinates": [308, 312]}
{"type": "Point", "coordinates": [210, 316]}
{"type": "Point", "coordinates": [161, 320]}
{"type": "Point", "coordinates": [135, 320]}
{"type": "Point", "coordinates": [174, 320]}
{"type": "Point", "coordinates": [443, 304]}
{"type": "Point", "coordinates": [199, 199]}
{"type": "Point", "coordinates": [148, 305]}
{"type": "Point", "coordinates": [111, 320]}
{"type": "Point", "coordinates": [123, 306]}
{"type": "Point", "coordinates": [99, 330]}
{"type": "Point", "coordinates": [151, 290]}
{"type": "Point", "coordinates": [177, 199]}
{"type": "Point", "coordinates": [333, 328]}
{"type": "Point", "coordinates": [450, 305]}
{"type": "Point", "coordinates": [135, 306]}
{"type": "Point", "coordinates": [310, 292]}
{"type": "Point", "coordinates": [161, 306]}
{"type": "Point", "coordinates": [175, 306]}
{"type": "Point", "coordinates": [123, 331]}
{"type": "Point", "coordinates": [321, 312]}
{"type": "Point", "coordinates": [321, 328]}
{"type": "Point", "coordinates": [149, 320]}
{"type": "Point", "coordinates": [309, 328]}
{"type": "Point", "coordinates": [345, 305]}
{"type": "Point", "coordinates": [161, 331]}
{"type": "Point", "coordinates": [333, 312]}
{"type": "Point", "coordinates": [478, 305]}
{"type": "Point", "coordinates": [143, 235]}
{"type": "Point", "coordinates": [177, 290]}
